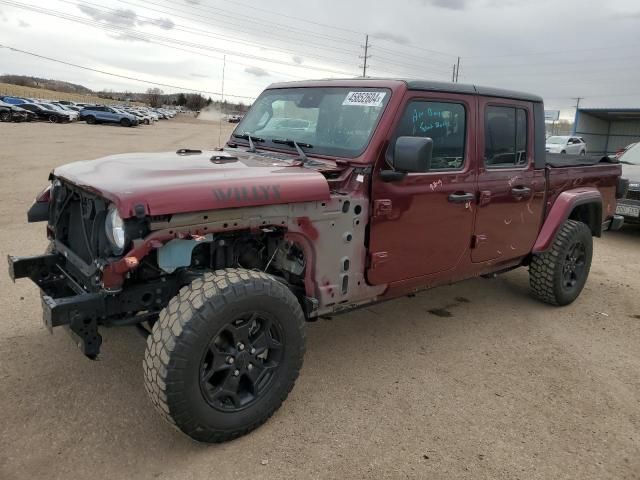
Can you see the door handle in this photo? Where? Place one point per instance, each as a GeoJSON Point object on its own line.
{"type": "Point", "coordinates": [461, 197]}
{"type": "Point", "coordinates": [521, 191]}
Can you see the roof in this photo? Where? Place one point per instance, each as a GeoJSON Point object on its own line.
{"type": "Point", "coordinates": [610, 114]}
{"type": "Point", "coordinates": [425, 85]}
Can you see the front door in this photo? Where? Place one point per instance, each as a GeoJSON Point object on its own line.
{"type": "Point", "coordinates": [511, 196]}
{"type": "Point", "coordinates": [422, 225]}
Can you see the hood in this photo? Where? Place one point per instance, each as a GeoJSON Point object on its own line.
{"type": "Point", "coordinates": [166, 183]}
{"type": "Point", "coordinates": [631, 172]}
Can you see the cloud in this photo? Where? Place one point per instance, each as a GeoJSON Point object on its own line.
{"type": "Point", "coordinates": [3, 17]}
{"type": "Point", "coordinates": [23, 24]}
{"type": "Point", "coordinates": [124, 17]}
{"type": "Point", "coordinates": [199, 75]}
{"type": "Point", "coordinates": [392, 37]}
{"type": "Point", "coordinates": [297, 59]}
{"type": "Point", "coordinates": [257, 71]}
{"type": "Point", "coordinates": [163, 23]}
{"type": "Point", "coordinates": [449, 4]}
{"type": "Point", "coordinates": [193, 2]}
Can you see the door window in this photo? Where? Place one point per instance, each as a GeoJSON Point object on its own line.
{"type": "Point", "coordinates": [505, 140]}
{"type": "Point", "coordinates": [444, 123]}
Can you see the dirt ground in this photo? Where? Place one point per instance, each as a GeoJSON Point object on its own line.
{"type": "Point", "coordinates": [475, 380]}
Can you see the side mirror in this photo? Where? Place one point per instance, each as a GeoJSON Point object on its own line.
{"type": "Point", "coordinates": [412, 154]}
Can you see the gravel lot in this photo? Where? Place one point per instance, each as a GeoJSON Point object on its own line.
{"type": "Point", "coordinates": [475, 380]}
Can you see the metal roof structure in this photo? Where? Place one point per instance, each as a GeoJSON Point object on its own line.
{"type": "Point", "coordinates": [424, 85]}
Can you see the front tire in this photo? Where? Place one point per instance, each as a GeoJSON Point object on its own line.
{"type": "Point", "coordinates": [558, 275]}
{"type": "Point", "coordinates": [125, 122]}
{"type": "Point", "coordinates": [5, 117]}
{"type": "Point", "coordinates": [224, 354]}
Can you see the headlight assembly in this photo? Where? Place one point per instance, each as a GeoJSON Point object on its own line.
{"type": "Point", "coordinates": [114, 228]}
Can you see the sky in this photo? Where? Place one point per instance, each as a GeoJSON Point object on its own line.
{"type": "Point", "coordinates": [559, 49]}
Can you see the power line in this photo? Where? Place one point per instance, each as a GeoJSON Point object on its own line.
{"type": "Point", "coordinates": [247, 19]}
{"type": "Point", "coordinates": [298, 19]}
{"type": "Point", "coordinates": [151, 38]}
{"type": "Point", "coordinates": [306, 33]}
{"type": "Point", "coordinates": [122, 76]}
{"type": "Point", "coordinates": [513, 65]}
{"type": "Point", "coordinates": [204, 33]}
{"type": "Point", "coordinates": [556, 52]}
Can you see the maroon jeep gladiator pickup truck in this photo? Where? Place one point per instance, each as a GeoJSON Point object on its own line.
{"type": "Point", "coordinates": [329, 195]}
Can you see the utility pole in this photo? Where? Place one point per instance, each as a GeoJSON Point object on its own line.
{"type": "Point", "coordinates": [457, 69]}
{"type": "Point", "coordinates": [453, 74]}
{"type": "Point", "coordinates": [575, 117]}
{"type": "Point", "coordinates": [366, 56]}
{"type": "Point", "coordinates": [224, 66]}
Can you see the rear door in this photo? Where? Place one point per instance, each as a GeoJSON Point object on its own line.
{"type": "Point", "coordinates": [422, 225]}
{"type": "Point", "coordinates": [573, 146]}
{"type": "Point", "coordinates": [511, 193]}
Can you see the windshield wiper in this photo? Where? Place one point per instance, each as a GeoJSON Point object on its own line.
{"type": "Point", "coordinates": [250, 138]}
{"type": "Point", "coordinates": [293, 143]}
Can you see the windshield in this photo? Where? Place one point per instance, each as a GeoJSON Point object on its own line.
{"type": "Point", "coordinates": [330, 121]}
{"type": "Point", "coordinates": [557, 140]}
{"type": "Point", "coordinates": [632, 155]}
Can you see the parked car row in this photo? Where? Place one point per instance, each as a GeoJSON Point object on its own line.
{"type": "Point", "coordinates": [19, 109]}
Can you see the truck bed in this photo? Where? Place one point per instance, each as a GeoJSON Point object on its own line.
{"type": "Point", "coordinates": [568, 172]}
{"type": "Point", "coordinates": [564, 160]}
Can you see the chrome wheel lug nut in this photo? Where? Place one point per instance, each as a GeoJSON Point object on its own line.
{"type": "Point", "coordinates": [250, 367]}
{"type": "Point", "coordinates": [253, 350]}
{"type": "Point", "coordinates": [230, 360]}
{"type": "Point", "coordinates": [240, 346]}
{"type": "Point", "coordinates": [236, 373]}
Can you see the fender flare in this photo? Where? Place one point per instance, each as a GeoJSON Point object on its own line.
{"type": "Point", "coordinates": [561, 210]}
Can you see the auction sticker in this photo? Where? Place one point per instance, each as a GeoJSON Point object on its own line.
{"type": "Point", "coordinates": [365, 99]}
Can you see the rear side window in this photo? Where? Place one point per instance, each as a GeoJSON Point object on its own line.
{"type": "Point", "coordinates": [505, 140]}
{"type": "Point", "coordinates": [444, 123]}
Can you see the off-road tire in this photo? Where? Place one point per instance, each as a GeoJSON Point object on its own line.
{"type": "Point", "coordinates": [183, 334]}
{"type": "Point", "coordinates": [5, 117]}
{"type": "Point", "coordinates": [547, 269]}
{"type": "Point", "coordinates": [125, 122]}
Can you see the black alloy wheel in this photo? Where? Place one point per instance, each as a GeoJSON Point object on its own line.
{"type": "Point", "coordinates": [241, 362]}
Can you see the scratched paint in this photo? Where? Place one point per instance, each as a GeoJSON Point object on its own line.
{"type": "Point", "coordinates": [435, 185]}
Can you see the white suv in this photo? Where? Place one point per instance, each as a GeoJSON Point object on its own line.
{"type": "Point", "coordinates": [565, 144]}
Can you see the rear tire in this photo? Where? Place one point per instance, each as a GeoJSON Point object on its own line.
{"type": "Point", "coordinates": [5, 117]}
{"type": "Point", "coordinates": [558, 275]}
{"type": "Point", "coordinates": [53, 119]}
{"type": "Point", "coordinates": [90, 120]}
{"type": "Point", "coordinates": [224, 354]}
{"type": "Point", "coordinates": [125, 122]}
